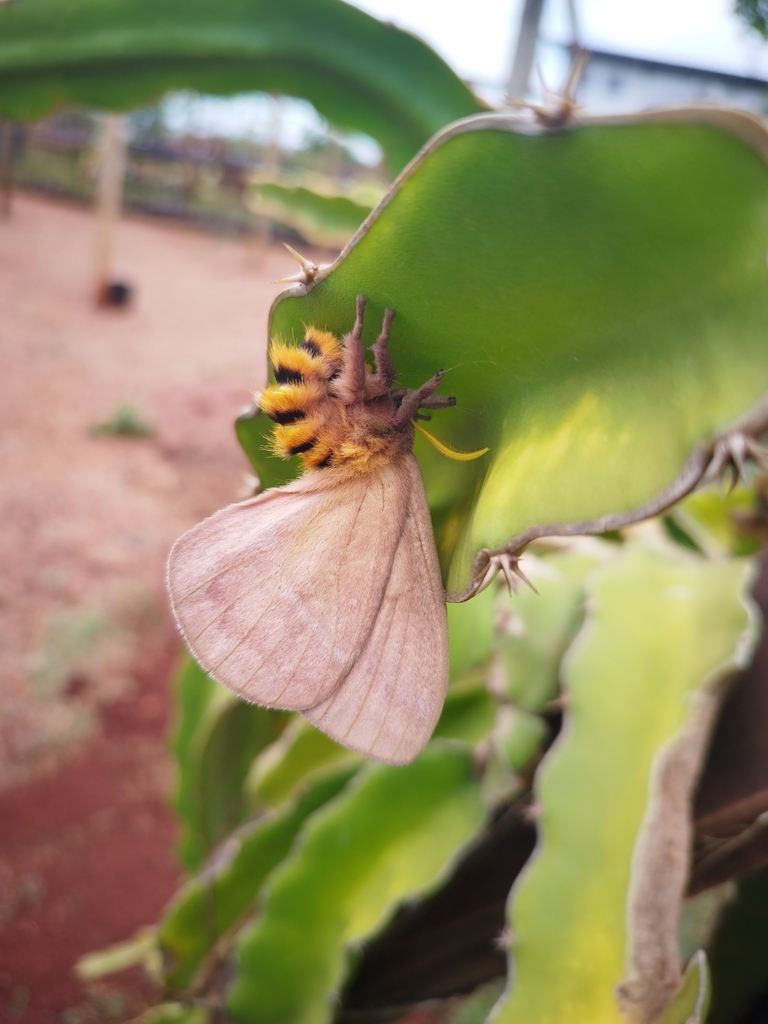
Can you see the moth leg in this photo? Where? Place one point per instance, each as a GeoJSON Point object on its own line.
{"type": "Point", "coordinates": [438, 402]}
{"type": "Point", "coordinates": [413, 399]}
{"type": "Point", "coordinates": [349, 386]}
{"type": "Point", "coordinates": [380, 382]}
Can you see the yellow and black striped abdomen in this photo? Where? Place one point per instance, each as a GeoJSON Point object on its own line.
{"type": "Point", "coordinates": [317, 357]}
{"type": "Point", "coordinates": [308, 420]}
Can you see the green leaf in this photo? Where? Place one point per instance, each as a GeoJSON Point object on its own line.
{"type": "Point", "coordinates": [470, 632]}
{"type": "Point", "coordinates": [755, 14]}
{"type": "Point", "coordinates": [522, 737]}
{"type": "Point", "coordinates": [691, 1003]}
{"type": "Point", "coordinates": [320, 219]}
{"type": "Point", "coordinates": [195, 690]}
{"type": "Point", "coordinates": [390, 836]}
{"type": "Point", "coordinates": [227, 746]}
{"type": "Point", "coordinates": [516, 738]}
{"type": "Point", "coordinates": [538, 626]}
{"type": "Point", "coordinates": [605, 889]}
{"type": "Point", "coordinates": [210, 904]}
{"type": "Point", "coordinates": [469, 711]}
{"type": "Point", "coordinates": [174, 1013]}
{"type": "Point", "coordinates": [126, 421]}
{"type": "Point", "coordinates": [141, 949]}
{"type": "Point", "coordinates": [700, 917]}
{"type": "Point", "coordinates": [116, 54]}
{"type": "Point", "coordinates": [519, 641]}
{"type": "Point", "coordinates": [217, 740]}
{"type": "Point", "coordinates": [301, 755]}
{"type": "Point", "coordinates": [474, 1009]}
{"type": "Point", "coordinates": [598, 296]}
{"type": "Point", "coordinates": [711, 520]}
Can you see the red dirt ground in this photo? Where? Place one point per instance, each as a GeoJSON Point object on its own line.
{"type": "Point", "coordinates": [87, 647]}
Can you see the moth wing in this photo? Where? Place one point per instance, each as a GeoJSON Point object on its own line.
{"type": "Point", "coordinates": [276, 596]}
{"type": "Point", "coordinates": [390, 701]}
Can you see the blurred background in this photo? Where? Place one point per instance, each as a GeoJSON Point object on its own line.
{"type": "Point", "coordinates": [233, 164]}
{"type": "Point", "coordinates": [139, 255]}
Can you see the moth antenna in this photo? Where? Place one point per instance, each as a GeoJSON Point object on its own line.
{"type": "Point", "coordinates": [447, 450]}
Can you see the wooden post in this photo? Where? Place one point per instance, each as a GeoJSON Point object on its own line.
{"type": "Point", "coordinates": [269, 170]}
{"type": "Point", "coordinates": [6, 169]}
{"type": "Point", "coordinates": [525, 50]}
{"type": "Point", "coordinates": [109, 199]}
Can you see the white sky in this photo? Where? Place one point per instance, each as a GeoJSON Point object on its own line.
{"type": "Point", "coordinates": [474, 36]}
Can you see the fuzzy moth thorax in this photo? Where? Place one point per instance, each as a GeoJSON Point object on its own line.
{"type": "Point", "coordinates": [332, 410]}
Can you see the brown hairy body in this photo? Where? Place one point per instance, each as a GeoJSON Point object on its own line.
{"type": "Point", "coordinates": [325, 596]}
{"type": "Point", "coordinates": [332, 411]}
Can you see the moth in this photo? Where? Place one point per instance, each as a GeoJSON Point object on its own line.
{"type": "Point", "coordinates": [325, 596]}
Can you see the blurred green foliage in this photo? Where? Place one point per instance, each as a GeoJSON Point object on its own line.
{"type": "Point", "coordinates": [755, 13]}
